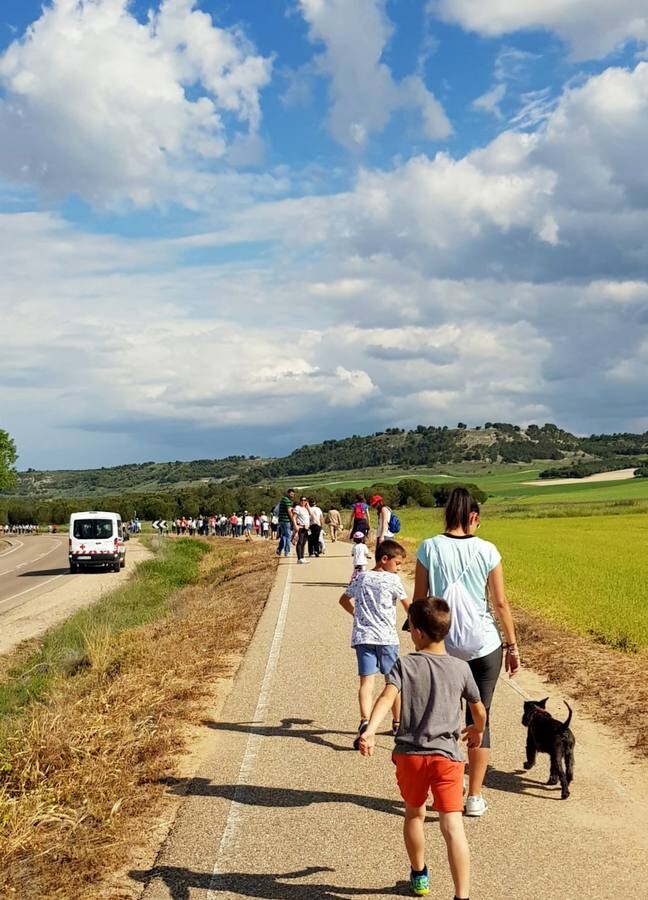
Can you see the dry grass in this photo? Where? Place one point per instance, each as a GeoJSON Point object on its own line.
{"type": "Point", "coordinates": [80, 774]}
{"type": "Point", "coordinates": [611, 685]}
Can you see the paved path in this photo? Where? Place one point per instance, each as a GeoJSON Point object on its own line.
{"type": "Point", "coordinates": [281, 807]}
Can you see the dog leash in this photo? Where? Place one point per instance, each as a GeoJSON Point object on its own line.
{"type": "Point", "coordinates": [514, 687]}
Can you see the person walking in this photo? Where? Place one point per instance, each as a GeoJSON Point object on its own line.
{"type": "Point", "coordinates": [458, 555]}
{"type": "Point", "coordinates": [359, 516]}
{"type": "Point", "coordinates": [315, 530]}
{"type": "Point", "coordinates": [426, 755]}
{"type": "Point", "coordinates": [284, 512]}
{"type": "Point", "coordinates": [302, 520]}
{"type": "Point", "coordinates": [334, 522]}
{"type": "Point", "coordinates": [384, 514]}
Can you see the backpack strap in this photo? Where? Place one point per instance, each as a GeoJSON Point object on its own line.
{"type": "Point", "coordinates": [444, 568]}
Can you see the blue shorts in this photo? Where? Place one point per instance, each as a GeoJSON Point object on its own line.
{"type": "Point", "coordinates": [374, 658]}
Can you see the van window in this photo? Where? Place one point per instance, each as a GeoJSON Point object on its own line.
{"type": "Point", "coordinates": [93, 529]}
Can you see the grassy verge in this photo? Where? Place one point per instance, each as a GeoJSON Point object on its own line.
{"type": "Point", "coordinates": [83, 752]}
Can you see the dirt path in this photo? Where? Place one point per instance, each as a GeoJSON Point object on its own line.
{"type": "Point", "coordinates": [57, 599]}
{"type": "Point", "coordinates": [617, 475]}
{"type": "Point", "coordinates": [281, 807]}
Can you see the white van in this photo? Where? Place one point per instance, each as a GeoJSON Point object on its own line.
{"type": "Point", "coordinates": [96, 539]}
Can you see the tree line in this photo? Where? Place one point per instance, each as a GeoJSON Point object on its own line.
{"type": "Point", "coordinates": [210, 499]}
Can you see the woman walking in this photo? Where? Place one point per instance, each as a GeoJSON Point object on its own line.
{"type": "Point", "coordinates": [459, 555]}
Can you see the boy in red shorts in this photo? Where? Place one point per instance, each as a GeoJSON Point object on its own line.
{"type": "Point", "coordinates": [427, 755]}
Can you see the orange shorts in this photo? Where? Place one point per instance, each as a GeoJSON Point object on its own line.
{"type": "Point", "coordinates": [418, 775]}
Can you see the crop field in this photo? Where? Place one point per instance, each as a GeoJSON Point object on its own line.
{"type": "Point", "coordinates": [505, 484]}
{"type": "Point", "coordinates": [585, 573]}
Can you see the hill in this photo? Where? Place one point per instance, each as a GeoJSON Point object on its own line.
{"type": "Point", "coordinates": [429, 446]}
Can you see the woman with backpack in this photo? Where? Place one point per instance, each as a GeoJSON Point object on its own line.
{"type": "Point", "coordinates": [359, 516]}
{"type": "Point", "coordinates": [388, 522]}
{"type": "Point", "coordinates": [467, 572]}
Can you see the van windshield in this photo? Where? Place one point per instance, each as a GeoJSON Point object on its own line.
{"type": "Point", "coordinates": [93, 529]}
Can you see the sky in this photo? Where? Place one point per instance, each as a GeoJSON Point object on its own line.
{"type": "Point", "coordinates": [241, 227]}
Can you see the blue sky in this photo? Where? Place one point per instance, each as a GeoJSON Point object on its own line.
{"type": "Point", "coordinates": [242, 227]}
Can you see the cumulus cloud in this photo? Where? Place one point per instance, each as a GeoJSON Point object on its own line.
{"type": "Point", "coordinates": [364, 94]}
{"type": "Point", "coordinates": [593, 28]}
{"type": "Point", "coordinates": [97, 103]}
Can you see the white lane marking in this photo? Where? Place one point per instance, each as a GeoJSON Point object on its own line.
{"type": "Point", "coordinates": [13, 549]}
{"type": "Point", "coordinates": [21, 565]}
{"type": "Point", "coordinates": [254, 739]}
{"type": "Point", "coordinates": [27, 590]}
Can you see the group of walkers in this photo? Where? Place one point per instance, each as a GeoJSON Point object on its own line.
{"type": "Point", "coordinates": [458, 604]}
{"type": "Point", "coordinates": [242, 524]}
{"type": "Point", "coordinates": [21, 529]}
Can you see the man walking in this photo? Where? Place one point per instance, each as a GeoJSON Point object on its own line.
{"type": "Point", "coordinates": [285, 515]}
{"type": "Point", "coordinates": [334, 522]}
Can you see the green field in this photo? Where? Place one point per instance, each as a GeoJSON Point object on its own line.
{"type": "Point", "coordinates": [505, 484]}
{"type": "Point", "coordinates": [585, 573]}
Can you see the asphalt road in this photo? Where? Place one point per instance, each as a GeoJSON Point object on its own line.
{"type": "Point", "coordinates": [30, 565]}
{"type": "Point", "coordinates": [282, 808]}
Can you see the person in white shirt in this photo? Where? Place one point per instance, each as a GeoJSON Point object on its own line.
{"type": "Point", "coordinates": [359, 554]}
{"type": "Point", "coordinates": [301, 519]}
{"type": "Point", "coordinates": [315, 529]}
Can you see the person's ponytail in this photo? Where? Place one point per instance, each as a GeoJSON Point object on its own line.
{"type": "Point", "coordinates": [457, 511]}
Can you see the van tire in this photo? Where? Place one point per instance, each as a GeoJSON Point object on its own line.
{"type": "Point", "coordinates": [74, 568]}
{"type": "Point", "coordinates": [116, 566]}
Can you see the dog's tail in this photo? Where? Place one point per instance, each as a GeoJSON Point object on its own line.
{"type": "Point", "coordinates": [566, 723]}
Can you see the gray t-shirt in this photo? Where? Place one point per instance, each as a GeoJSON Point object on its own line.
{"type": "Point", "coordinates": [432, 687]}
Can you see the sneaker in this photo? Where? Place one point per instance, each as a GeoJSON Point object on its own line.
{"type": "Point", "coordinates": [362, 727]}
{"type": "Point", "coordinates": [476, 806]}
{"type": "Point", "coordinates": [302, 562]}
{"type": "Point", "coordinates": [420, 884]}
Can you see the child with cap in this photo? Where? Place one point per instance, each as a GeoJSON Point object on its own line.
{"type": "Point", "coordinates": [359, 554]}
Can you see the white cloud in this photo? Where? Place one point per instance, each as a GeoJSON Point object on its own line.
{"type": "Point", "coordinates": [490, 101]}
{"type": "Point", "coordinates": [593, 28]}
{"type": "Point", "coordinates": [97, 103]}
{"type": "Point", "coordinates": [364, 94]}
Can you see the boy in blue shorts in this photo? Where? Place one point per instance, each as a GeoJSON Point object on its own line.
{"type": "Point", "coordinates": [426, 754]}
{"type": "Point", "coordinates": [371, 599]}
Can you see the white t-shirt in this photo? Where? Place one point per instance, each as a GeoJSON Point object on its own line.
{"type": "Point", "coordinates": [316, 515]}
{"type": "Point", "coordinates": [376, 595]}
{"type": "Point", "coordinates": [302, 518]}
{"type": "Point", "coordinates": [445, 557]}
{"type": "Point", "coordinates": [360, 555]}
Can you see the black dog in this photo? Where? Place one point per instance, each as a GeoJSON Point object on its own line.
{"type": "Point", "coordinates": [547, 735]}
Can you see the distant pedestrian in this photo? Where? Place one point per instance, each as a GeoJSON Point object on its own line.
{"type": "Point", "coordinates": [384, 514]}
{"type": "Point", "coordinates": [431, 686]}
{"type": "Point", "coordinates": [371, 599]}
{"type": "Point", "coordinates": [315, 530]}
{"type": "Point", "coordinates": [334, 523]}
{"type": "Point", "coordinates": [302, 521]}
{"type": "Point", "coordinates": [359, 516]}
{"type": "Point", "coordinates": [284, 513]}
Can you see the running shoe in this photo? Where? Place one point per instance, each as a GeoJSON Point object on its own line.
{"type": "Point", "coordinates": [476, 806]}
{"type": "Point", "coordinates": [420, 884]}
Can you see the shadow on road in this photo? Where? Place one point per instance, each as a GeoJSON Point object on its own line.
{"type": "Point", "coordinates": [37, 573]}
{"type": "Point", "coordinates": [260, 795]}
{"type": "Point", "coordinates": [286, 729]}
{"type": "Point", "coordinates": [519, 783]}
{"type": "Point", "coordinates": [281, 886]}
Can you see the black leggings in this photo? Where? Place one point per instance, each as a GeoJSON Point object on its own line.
{"type": "Point", "coordinates": [485, 671]}
{"type": "Point", "coordinates": [302, 537]}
